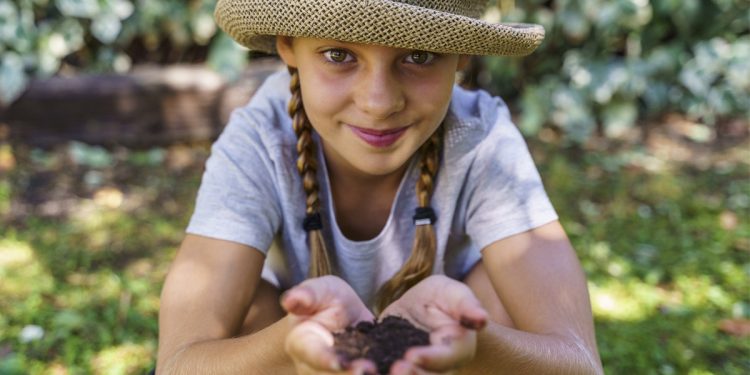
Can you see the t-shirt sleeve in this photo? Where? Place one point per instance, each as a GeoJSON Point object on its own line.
{"type": "Point", "coordinates": [508, 196]}
{"type": "Point", "coordinates": [237, 200]}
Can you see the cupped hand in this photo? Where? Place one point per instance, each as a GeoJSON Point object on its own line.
{"type": "Point", "coordinates": [318, 307]}
{"type": "Point", "coordinates": [451, 313]}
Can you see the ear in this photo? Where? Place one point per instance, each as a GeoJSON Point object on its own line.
{"type": "Point", "coordinates": [284, 48]}
{"type": "Point", "coordinates": [463, 60]}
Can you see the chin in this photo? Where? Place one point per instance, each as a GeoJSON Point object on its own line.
{"type": "Point", "coordinates": [379, 169]}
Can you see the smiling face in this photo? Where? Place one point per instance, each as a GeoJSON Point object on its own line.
{"type": "Point", "coordinates": [373, 106]}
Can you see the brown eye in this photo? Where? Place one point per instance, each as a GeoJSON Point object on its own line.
{"type": "Point", "coordinates": [336, 55]}
{"type": "Point", "coordinates": [420, 57]}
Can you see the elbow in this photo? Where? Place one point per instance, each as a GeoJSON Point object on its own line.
{"type": "Point", "coordinates": [589, 362]}
{"type": "Point", "coordinates": [168, 364]}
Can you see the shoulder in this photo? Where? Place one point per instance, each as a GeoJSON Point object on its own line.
{"type": "Point", "coordinates": [477, 120]}
{"type": "Point", "coordinates": [264, 118]}
{"type": "Point", "coordinates": [478, 105]}
{"type": "Point", "coordinates": [258, 136]}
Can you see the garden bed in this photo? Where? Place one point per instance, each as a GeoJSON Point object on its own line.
{"type": "Point", "coordinates": [152, 105]}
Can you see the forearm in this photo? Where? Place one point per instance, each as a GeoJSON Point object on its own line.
{"type": "Point", "coordinates": [259, 353]}
{"type": "Point", "coordinates": [503, 350]}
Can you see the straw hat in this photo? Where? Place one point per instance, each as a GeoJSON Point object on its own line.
{"type": "Point", "coordinates": [447, 26]}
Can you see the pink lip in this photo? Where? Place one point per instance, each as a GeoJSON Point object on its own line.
{"type": "Point", "coordinates": [378, 138]}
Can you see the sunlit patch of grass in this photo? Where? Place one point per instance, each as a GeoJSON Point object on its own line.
{"type": "Point", "coordinates": [666, 255]}
{"type": "Point", "coordinates": [5, 196]}
{"type": "Point", "coordinates": [20, 271]}
{"type": "Point", "coordinates": [14, 253]}
{"type": "Point", "coordinates": [88, 275]}
{"type": "Point", "coordinates": [626, 301]}
{"type": "Point", "coordinates": [123, 359]}
{"type": "Point", "coordinates": [701, 292]}
{"type": "Point", "coordinates": [86, 289]}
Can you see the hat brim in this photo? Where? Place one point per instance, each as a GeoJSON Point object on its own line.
{"type": "Point", "coordinates": [255, 24]}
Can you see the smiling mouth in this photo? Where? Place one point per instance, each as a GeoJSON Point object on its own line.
{"type": "Point", "coordinates": [378, 138]}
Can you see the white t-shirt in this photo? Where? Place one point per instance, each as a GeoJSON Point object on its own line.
{"type": "Point", "coordinates": [487, 188]}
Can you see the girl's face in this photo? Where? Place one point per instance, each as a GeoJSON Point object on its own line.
{"type": "Point", "coordinates": [372, 106]}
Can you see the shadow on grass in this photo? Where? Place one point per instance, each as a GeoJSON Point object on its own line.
{"type": "Point", "coordinates": [681, 342]}
{"type": "Point", "coordinates": [93, 231]}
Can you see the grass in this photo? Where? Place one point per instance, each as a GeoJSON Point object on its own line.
{"type": "Point", "coordinates": [667, 256]}
{"type": "Point", "coordinates": [87, 234]}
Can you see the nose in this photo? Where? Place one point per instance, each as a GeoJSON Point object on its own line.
{"type": "Point", "coordinates": [379, 93]}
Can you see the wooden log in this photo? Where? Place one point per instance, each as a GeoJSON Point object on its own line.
{"type": "Point", "coordinates": [149, 106]}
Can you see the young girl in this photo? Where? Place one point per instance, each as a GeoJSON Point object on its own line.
{"type": "Point", "coordinates": [362, 183]}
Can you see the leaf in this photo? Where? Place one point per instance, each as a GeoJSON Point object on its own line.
{"type": "Point", "coordinates": [572, 113]}
{"type": "Point", "coordinates": [203, 27]}
{"type": "Point", "coordinates": [535, 104]}
{"type": "Point", "coordinates": [227, 57]}
{"type": "Point", "coordinates": [66, 321]}
{"type": "Point", "coordinates": [90, 156]}
{"type": "Point", "coordinates": [13, 79]}
{"type": "Point", "coordinates": [8, 21]}
{"type": "Point", "coordinates": [78, 8]}
{"type": "Point", "coordinates": [106, 28]}
{"type": "Point", "coordinates": [619, 117]}
{"type": "Point", "coordinates": [122, 8]}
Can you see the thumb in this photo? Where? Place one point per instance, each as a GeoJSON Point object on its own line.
{"type": "Point", "coordinates": [315, 295]}
{"type": "Point", "coordinates": [299, 300]}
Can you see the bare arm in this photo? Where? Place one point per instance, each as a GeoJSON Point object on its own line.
{"type": "Point", "coordinates": [204, 302]}
{"type": "Point", "coordinates": [548, 327]}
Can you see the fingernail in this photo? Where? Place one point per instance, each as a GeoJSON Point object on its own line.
{"type": "Point", "coordinates": [284, 295]}
{"type": "Point", "coordinates": [335, 365]}
{"type": "Point", "coordinates": [470, 324]}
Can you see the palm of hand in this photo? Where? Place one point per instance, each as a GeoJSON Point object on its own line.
{"type": "Point", "coordinates": [444, 307]}
{"type": "Point", "coordinates": [449, 311]}
{"type": "Point", "coordinates": [317, 308]}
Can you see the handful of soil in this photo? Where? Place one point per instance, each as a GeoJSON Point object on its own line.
{"type": "Point", "coordinates": [381, 342]}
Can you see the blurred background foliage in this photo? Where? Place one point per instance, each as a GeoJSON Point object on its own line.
{"type": "Point", "coordinates": [662, 227]}
{"type": "Point", "coordinates": [604, 64]}
{"type": "Point", "coordinates": [607, 63]}
{"type": "Point", "coordinates": [39, 38]}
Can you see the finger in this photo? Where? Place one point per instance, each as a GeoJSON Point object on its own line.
{"type": "Point", "coordinates": [402, 367]}
{"type": "Point", "coordinates": [473, 316]}
{"type": "Point", "coordinates": [305, 369]}
{"type": "Point", "coordinates": [470, 313]}
{"type": "Point", "coordinates": [311, 344]}
{"type": "Point", "coordinates": [362, 367]}
{"type": "Point", "coordinates": [451, 347]}
{"type": "Point", "coordinates": [300, 300]}
{"type": "Point", "coordinates": [309, 296]}
{"type": "Point", "coordinates": [329, 299]}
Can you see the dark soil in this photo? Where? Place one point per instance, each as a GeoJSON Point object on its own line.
{"type": "Point", "coordinates": [382, 342]}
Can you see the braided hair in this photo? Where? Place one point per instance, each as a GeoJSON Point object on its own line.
{"type": "Point", "coordinates": [422, 259]}
{"type": "Point", "coordinates": [307, 166]}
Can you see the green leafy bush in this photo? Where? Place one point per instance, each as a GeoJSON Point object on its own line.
{"type": "Point", "coordinates": [39, 38]}
{"type": "Point", "coordinates": [606, 63]}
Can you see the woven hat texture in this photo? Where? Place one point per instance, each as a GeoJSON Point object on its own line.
{"type": "Point", "coordinates": [447, 26]}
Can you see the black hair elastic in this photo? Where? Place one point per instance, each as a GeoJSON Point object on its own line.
{"type": "Point", "coordinates": [312, 222]}
{"type": "Point", "coordinates": [424, 216]}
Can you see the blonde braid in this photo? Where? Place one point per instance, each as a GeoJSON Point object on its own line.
{"type": "Point", "coordinates": [422, 259]}
{"type": "Point", "coordinates": [307, 165]}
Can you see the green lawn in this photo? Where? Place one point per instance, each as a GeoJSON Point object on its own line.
{"type": "Point", "coordinates": [86, 236]}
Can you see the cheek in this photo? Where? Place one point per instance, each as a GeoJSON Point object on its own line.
{"type": "Point", "coordinates": [321, 96]}
{"type": "Point", "coordinates": [432, 96]}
